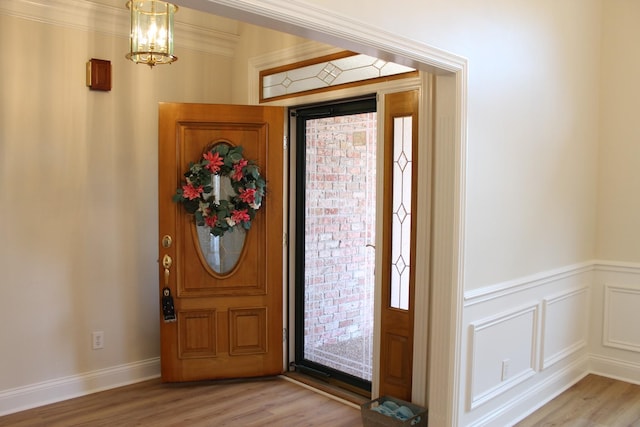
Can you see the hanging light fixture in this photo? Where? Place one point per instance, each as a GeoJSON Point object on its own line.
{"type": "Point", "coordinates": [151, 38]}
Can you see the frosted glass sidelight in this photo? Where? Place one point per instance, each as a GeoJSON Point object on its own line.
{"type": "Point", "coordinates": [401, 209]}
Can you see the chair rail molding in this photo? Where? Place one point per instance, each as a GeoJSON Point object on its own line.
{"type": "Point", "coordinates": [499, 290]}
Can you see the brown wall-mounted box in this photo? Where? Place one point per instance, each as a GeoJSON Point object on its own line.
{"type": "Point", "coordinates": [99, 74]}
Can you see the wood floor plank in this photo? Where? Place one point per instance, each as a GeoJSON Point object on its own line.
{"type": "Point", "coordinates": [594, 401]}
{"type": "Point", "coordinates": [265, 402]}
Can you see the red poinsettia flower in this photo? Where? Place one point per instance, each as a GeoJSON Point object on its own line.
{"type": "Point", "coordinates": [240, 215]}
{"type": "Point", "coordinates": [191, 192]}
{"type": "Point", "coordinates": [247, 195]}
{"type": "Point", "coordinates": [237, 170]}
{"type": "Point", "coordinates": [210, 221]}
{"type": "Point", "coordinates": [215, 161]}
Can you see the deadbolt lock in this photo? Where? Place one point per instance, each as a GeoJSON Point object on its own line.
{"type": "Point", "coordinates": [166, 241]}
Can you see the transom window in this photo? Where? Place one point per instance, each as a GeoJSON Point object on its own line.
{"type": "Point", "coordinates": [326, 73]}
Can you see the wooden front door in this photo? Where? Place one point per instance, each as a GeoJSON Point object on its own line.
{"type": "Point", "coordinates": [228, 322]}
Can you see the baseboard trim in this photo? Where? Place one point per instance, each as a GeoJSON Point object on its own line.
{"type": "Point", "coordinates": [44, 393]}
{"type": "Point", "coordinates": [537, 396]}
{"type": "Point", "coordinates": [57, 390]}
{"type": "Point", "coordinates": [616, 369]}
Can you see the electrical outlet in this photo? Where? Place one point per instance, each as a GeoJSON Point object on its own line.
{"type": "Point", "coordinates": [505, 369]}
{"type": "Point", "coordinates": [97, 340]}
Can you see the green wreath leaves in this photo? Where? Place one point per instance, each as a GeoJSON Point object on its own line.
{"type": "Point", "coordinates": [223, 215]}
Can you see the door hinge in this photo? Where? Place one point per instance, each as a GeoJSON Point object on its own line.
{"type": "Point", "coordinates": [284, 334]}
{"type": "Point", "coordinates": [285, 240]}
{"type": "Point", "coordinates": [285, 142]}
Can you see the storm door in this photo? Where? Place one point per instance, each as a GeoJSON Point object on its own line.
{"type": "Point", "coordinates": [335, 236]}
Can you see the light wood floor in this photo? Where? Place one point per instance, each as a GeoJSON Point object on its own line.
{"type": "Point", "coordinates": [593, 402]}
{"type": "Point", "coordinates": [267, 402]}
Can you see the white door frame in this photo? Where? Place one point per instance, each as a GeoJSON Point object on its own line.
{"type": "Point", "coordinates": [450, 141]}
{"type": "Point", "coordinates": [420, 359]}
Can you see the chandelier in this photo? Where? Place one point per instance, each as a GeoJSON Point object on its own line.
{"type": "Point", "coordinates": [151, 38]}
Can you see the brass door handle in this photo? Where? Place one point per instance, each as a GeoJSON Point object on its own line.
{"type": "Point", "coordinates": [166, 263]}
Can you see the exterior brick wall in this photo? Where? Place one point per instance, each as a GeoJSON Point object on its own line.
{"type": "Point", "coordinates": [340, 222]}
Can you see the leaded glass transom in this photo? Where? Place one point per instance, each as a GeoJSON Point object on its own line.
{"type": "Point", "coordinates": [325, 74]}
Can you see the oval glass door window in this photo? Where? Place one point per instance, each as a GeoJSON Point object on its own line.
{"type": "Point", "coordinates": [221, 252]}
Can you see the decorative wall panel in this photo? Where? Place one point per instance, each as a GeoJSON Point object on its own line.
{"type": "Point", "coordinates": [503, 353]}
{"type": "Point", "coordinates": [565, 325]}
{"type": "Point", "coordinates": [621, 304]}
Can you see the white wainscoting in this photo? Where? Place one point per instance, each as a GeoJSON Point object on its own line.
{"type": "Point", "coordinates": [615, 337]}
{"type": "Point", "coordinates": [539, 326]}
{"type": "Point", "coordinates": [31, 396]}
{"type": "Point", "coordinates": [554, 328]}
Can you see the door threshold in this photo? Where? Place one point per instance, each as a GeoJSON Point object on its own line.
{"type": "Point", "coordinates": [333, 388]}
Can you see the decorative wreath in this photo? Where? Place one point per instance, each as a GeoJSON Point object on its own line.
{"type": "Point", "coordinates": [238, 210]}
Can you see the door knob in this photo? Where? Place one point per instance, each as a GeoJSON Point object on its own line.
{"type": "Point", "coordinates": [166, 263]}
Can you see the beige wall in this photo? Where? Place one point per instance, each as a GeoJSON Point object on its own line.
{"type": "Point", "coordinates": [78, 192]}
{"type": "Point", "coordinates": [619, 179]}
{"type": "Point", "coordinates": [78, 197]}
{"type": "Point", "coordinates": [533, 106]}
{"type": "Point", "coordinates": [255, 42]}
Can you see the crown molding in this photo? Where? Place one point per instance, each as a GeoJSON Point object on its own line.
{"type": "Point", "coordinates": [308, 20]}
{"type": "Point", "coordinates": [90, 16]}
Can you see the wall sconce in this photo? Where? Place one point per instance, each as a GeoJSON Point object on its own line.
{"type": "Point", "coordinates": [151, 38]}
